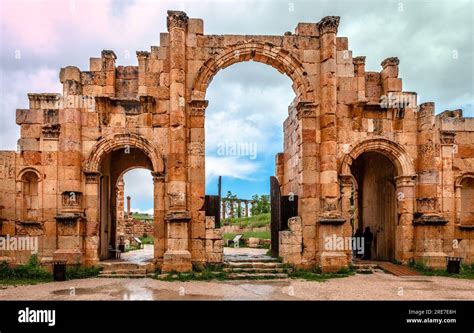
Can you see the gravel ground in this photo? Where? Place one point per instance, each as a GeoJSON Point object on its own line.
{"type": "Point", "coordinates": [377, 286]}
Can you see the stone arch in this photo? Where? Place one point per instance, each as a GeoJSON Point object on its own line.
{"type": "Point", "coordinates": [122, 140]}
{"type": "Point", "coordinates": [24, 171]}
{"type": "Point", "coordinates": [462, 177]}
{"type": "Point", "coordinates": [463, 198]}
{"type": "Point", "coordinates": [392, 150]}
{"type": "Point", "coordinates": [266, 53]}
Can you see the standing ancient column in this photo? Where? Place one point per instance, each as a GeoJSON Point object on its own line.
{"type": "Point", "coordinates": [177, 256]}
{"type": "Point", "coordinates": [129, 212]}
{"type": "Point", "coordinates": [327, 120]}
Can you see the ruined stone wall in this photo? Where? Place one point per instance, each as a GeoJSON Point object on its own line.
{"type": "Point", "coordinates": [112, 118]}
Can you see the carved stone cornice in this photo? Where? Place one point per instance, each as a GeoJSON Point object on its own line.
{"type": "Point", "coordinates": [392, 61]}
{"type": "Point", "coordinates": [51, 132]}
{"type": "Point", "coordinates": [430, 219]}
{"type": "Point", "coordinates": [178, 216]}
{"type": "Point", "coordinates": [198, 107]}
{"type": "Point", "coordinates": [447, 137]}
{"type": "Point", "coordinates": [92, 177]}
{"type": "Point", "coordinates": [329, 24]}
{"type": "Point", "coordinates": [306, 110]}
{"type": "Point", "coordinates": [176, 19]}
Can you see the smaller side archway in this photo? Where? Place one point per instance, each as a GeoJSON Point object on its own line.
{"type": "Point", "coordinates": [385, 176]}
{"type": "Point", "coordinates": [29, 185]}
{"type": "Point", "coordinates": [464, 193]}
{"type": "Point", "coordinates": [108, 160]}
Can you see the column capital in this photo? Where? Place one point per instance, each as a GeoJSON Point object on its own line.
{"type": "Point", "coordinates": [177, 19]}
{"type": "Point", "coordinates": [306, 110]}
{"type": "Point", "coordinates": [329, 24]}
{"type": "Point", "coordinates": [391, 61]}
{"type": "Point", "coordinates": [406, 180]}
{"type": "Point", "coordinates": [346, 180]}
{"type": "Point", "coordinates": [92, 177]}
{"type": "Point", "coordinates": [142, 55]}
{"type": "Point", "coordinates": [158, 177]}
{"type": "Point", "coordinates": [198, 107]}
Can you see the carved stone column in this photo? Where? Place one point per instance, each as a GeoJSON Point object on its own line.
{"type": "Point", "coordinates": [177, 173]}
{"type": "Point", "coordinates": [177, 256]}
{"type": "Point", "coordinates": [92, 197]}
{"type": "Point", "coordinates": [427, 202]}
{"type": "Point", "coordinates": [308, 196]}
{"type": "Point", "coordinates": [404, 242]}
{"type": "Point", "coordinates": [327, 119]}
{"type": "Point", "coordinates": [197, 178]}
{"type": "Point", "coordinates": [159, 216]}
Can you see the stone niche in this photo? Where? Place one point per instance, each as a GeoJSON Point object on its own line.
{"type": "Point", "coordinates": [70, 230]}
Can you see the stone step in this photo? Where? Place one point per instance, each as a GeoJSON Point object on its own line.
{"type": "Point", "coordinates": [259, 264]}
{"type": "Point", "coordinates": [254, 270]}
{"type": "Point", "coordinates": [126, 271]}
{"type": "Point", "coordinates": [256, 276]}
{"type": "Point", "coordinates": [124, 276]}
{"type": "Point", "coordinates": [115, 266]}
{"type": "Point", "coordinates": [250, 259]}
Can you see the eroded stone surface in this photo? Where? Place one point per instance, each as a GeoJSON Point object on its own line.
{"type": "Point", "coordinates": [74, 147]}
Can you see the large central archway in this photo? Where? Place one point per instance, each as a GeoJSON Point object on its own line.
{"type": "Point", "coordinates": [250, 50]}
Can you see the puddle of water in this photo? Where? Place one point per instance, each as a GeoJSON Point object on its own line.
{"type": "Point", "coordinates": [138, 294]}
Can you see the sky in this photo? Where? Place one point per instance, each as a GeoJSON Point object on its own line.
{"type": "Point", "coordinates": [247, 101]}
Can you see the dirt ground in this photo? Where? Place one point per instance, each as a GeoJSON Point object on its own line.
{"type": "Point", "coordinates": [377, 286]}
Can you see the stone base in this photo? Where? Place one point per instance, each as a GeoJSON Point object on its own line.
{"type": "Point", "coordinates": [70, 256]}
{"type": "Point", "coordinates": [332, 262]}
{"type": "Point", "coordinates": [176, 261]}
{"type": "Point", "coordinates": [436, 260]}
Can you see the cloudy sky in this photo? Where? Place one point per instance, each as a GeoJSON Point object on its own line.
{"type": "Point", "coordinates": [247, 102]}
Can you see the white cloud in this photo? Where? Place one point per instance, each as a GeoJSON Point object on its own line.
{"type": "Point", "coordinates": [233, 167]}
{"type": "Point", "coordinates": [139, 186]}
{"type": "Point", "coordinates": [141, 211]}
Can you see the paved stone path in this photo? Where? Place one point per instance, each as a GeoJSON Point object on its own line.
{"type": "Point", "coordinates": [377, 286]}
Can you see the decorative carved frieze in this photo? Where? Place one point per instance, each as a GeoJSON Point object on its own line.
{"type": "Point", "coordinates": [51, 131]}
{"type": "Point", "coordinates": [92, 177]}
{"type": "Point", "coordinates": [447, 137]}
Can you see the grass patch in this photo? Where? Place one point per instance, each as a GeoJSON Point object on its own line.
{"type": "Point", "coordinates": [256, 221]}
{"type": "Point", "coordinates": [208, 273]}
{"type": "Point", "coordinates": [146, 240]}
{"type": "Point", "coordinates": [315, 274]}
{"type": "Point", "coordinates": [80, 272]}
{"type": "Point", "coordinates": [247, 235]}
{"type": "Point", "coordinates": [146, 217]}
{"type": "Point", "coordinates": [466, 272]}
{"type": "Point", "coordinates": [29, 273]}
